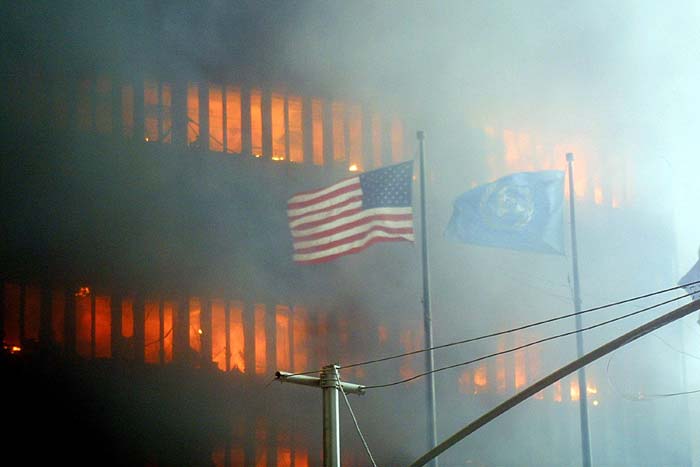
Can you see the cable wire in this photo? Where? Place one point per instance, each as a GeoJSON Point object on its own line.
{"type": "Point", "coordinates": [507, 331]}
{"type": "Point", "coordinates": [529, 344]}
{"type": "Point", "coordinates": [641, 397]}
{"type": "Point", "coordinates": [352, 414]}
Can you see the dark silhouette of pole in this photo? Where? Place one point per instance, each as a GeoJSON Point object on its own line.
{"type": "Point", "coordinates": [582, 386]}
{"type": "Point", "coordinates": [427, 317]}
{"type": "Point", "coordinates": [552, 378]}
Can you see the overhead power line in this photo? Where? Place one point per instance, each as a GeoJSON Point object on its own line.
{"type": "Point", "coordinates": [507, 331]}
{"type": "Point", "coordinates": [529, 344]}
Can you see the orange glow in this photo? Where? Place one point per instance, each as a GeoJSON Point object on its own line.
{"type": "Point", "coordinates": [519, 369]}
{"type": "Point", "coordinates": [82, 292]}
{"type": "Point", "coordinates": [167, 330]}
{"type": "Point", "coordinates": [260, 340]}
{"type": "Point", "coordinates": [397, 141]}
{"type": "Point", "coordinates": [501, 368]}
{"type": "Point", "coordinates": [284, 456]}
{"type": "Point", "coordinates": [256, 122]}
{"type": "Point", "coordinates": [410, 341]}
{"type": "Point", "coordinates": [103, 327]}
{"type": "Point", "coordinates": [279, 133]}
{"type": "Point", "coordinates": [573, 390]}
{"type": "Point", "coordinates": [166, 118]}
{"type": "Point", "coordinates": [510, 144]}
{"type": "Point", "coordinates": [480, 379]}
{"type": "Point", "coordinates": [216, 118]}
{"type": "Point", "coordinates": [237, 337]}
{"type": "Point", "coordinates": [234, 142]}
{"type": "Point", "coordinates": [355, 135]}
{"type": "Point", "coordinates": [127, 317]}
{"type": "Point", "coordinates": [296, 129]}
{"type": "Point", "coordinates": [382, 334]}
{"type": "Point", "coordinates": [150, 104]}
{"type": "Point", "coordinates": [591, 389]}
{"type": "Point", "coordinates": [58, 316]}
{"type": "Point", "coordinates": [317, 130]}
{"type": "Point", "coordinates": [557, 391]}
{"type": "Point", "coordinates": [300, 338]}
{"type": "Point", "coordinates": [192, 114]}
{"type": "Point", "coordinates": [338, 115]}
{"type": "Point", "coordinates": [218, 334]}
{"type": "Point", "coordinates": [83, 325]}
{"type": "Point", "coordinates": [377, 141]}
{"type": "Point", "coordinates": [353, 168]}
{"type": "Point", "coordinates": [301, 457]}
{"type": "Point", "coordinates": [152, 331]}
{"type": "Point", "coordinates": [282, 334]}
{"type": "Point", "coordinates": [598, 194]}
{"type": "Point", "coordinates": [195, 331]}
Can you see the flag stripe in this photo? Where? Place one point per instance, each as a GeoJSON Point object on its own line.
{"type": "Point", "coordinates": [314, 218]}
{"type": "Point", "coordinates": [350, 248]}
{"type": "Point", "coordinates": [311, 198]}
{"type": "Point", "coordinates": [360, 227]}
{"type": "Point", "coordinates": [352, 218]}
{"type": "Point", "coordinates": [350, 215]}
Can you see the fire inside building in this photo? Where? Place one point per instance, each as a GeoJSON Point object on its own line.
{"type": "Point", "coordinates": [149, 292]}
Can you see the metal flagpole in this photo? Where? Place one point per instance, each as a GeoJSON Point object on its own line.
{"type": "Point", "coordinates": [582, 387]}
{"type": "Point", "coordinates": [427, 318]}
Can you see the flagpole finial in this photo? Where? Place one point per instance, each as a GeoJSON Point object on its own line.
{"type": "Point", "coordinates": [420, 135]}
{"type": "Point", "coordinates": [569, 156]}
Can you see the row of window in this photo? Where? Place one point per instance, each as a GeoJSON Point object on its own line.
{"type": "Point", "coordinates": [223, 118]}
{"type": "Point", "coordinates": [253, 339]}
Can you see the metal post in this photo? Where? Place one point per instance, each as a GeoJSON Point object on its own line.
{"type": "Point", "coordinates": [330, 383]}
{"type": "Point", "coordinates": [582, 386]}
{"type": "Point", "coordinates": [427, 317]}
{"type": "Point", "coordinates": [331, 426]}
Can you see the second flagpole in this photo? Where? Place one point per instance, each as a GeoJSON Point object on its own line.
{"type": "Point", "coordinates": [427, 317]}
{"type": "Point", "coordinates": [582, 386]}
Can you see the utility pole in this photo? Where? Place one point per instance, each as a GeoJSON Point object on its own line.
{"type": "Point", "coordinates": [582, 385]}
{"type": "Point", "coordinates": [329, 382]}
{"type": "Point", "coordinates": [427, 314]}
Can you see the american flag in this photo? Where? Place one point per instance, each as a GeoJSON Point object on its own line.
{"type": "Point", "coordinates": [351, 215]}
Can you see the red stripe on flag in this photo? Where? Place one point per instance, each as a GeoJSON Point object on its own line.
{"type": "Point", "coordinates": [358, 249]}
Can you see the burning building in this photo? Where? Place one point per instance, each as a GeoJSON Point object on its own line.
{"type": "Point", "coordinates": [147, 270]}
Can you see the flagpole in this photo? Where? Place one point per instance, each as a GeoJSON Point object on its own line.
{"type": "Point", "coordinates": [582, 387]}
{"type": "Point", "coordinates": [427, 318]}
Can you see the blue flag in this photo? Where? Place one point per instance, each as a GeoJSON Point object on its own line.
{"type": "Point", "coordinates": [522, 211]}
{"type": "Point", "coordinates": [693, 275]}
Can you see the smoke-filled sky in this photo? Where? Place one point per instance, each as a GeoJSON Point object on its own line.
{"type": "Point", "coordinates": [620, 74]}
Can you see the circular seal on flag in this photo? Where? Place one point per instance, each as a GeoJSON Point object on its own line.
{"type": "Point", "coordinates": [507, 207]}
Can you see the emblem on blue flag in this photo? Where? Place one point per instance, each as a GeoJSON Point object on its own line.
{"type": "Point", "coordinates": [522, 211]}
